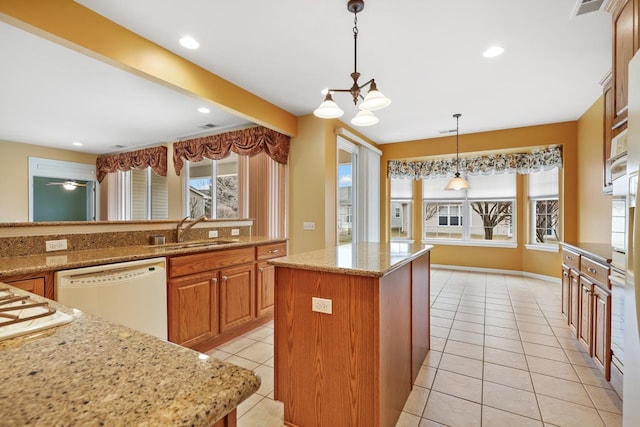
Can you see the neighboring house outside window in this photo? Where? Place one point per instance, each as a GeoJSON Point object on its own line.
{"type": "Point", "coordinates": [401, 207]}
{"type": "Point", "coordinates": [483, 213]}
{"type": "Point", "coordinates": [213, 188]}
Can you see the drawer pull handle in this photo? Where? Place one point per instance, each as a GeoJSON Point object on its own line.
{"type": "Point", "coordinates": [570, 258]}
{"type": "Point", "coordinates": [274, 251]}
{"type": "Point", "coordinates": [591, 270]}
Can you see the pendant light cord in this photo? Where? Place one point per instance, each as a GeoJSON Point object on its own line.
{"type": "Point", "coordinates": [457, 116]}
{"type": "Point", "coordinates": [355, 42]}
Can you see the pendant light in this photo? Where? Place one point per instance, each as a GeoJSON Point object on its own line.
{"type": "Point", "coordinates": [457, 182]}
{"type": "Point", "coordinates": [374, 100]}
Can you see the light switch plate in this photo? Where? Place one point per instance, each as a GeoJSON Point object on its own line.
{"type": "Point", "coordinates": [309, 225]}
{"type": "Point", "coordinates": [235, 232]}
{"type": "Point", "coordinates": [213, 233]}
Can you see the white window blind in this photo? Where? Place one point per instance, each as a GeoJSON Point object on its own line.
{"type": "Point", "coordinates": [543, 184]}
{"type": "Point", "coordinates": [401, 188]}
{"type": "Point", "coordinates": [492, 186]}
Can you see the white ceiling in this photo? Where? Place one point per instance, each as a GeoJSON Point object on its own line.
{"type": "Point", "coordinates": [425, 55]}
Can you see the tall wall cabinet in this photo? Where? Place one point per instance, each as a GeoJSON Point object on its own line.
{"type": "Point", "coordinates": [626, 41]}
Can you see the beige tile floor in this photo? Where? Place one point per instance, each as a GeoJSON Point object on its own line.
{"type": "Point", "coordinates": [501, 355]}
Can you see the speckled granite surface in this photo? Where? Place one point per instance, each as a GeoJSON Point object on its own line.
{"type": "Point", "coordinates": [63, 260]}
{"type": "Point", "coordinates": [93, 372]}
{"type": "Point", "coordinates": [362, 259]}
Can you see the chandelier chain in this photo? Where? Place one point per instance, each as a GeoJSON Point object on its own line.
{"type": "Point", "coordinates": [355, 41]}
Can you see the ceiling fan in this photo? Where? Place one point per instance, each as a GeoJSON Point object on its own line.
{"type": "Point", "coordinates": [68, 184]}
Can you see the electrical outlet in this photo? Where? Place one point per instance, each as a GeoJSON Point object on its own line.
{"type": "Point", "coordinates": [308, 225]}
{"type": "Point", "coordinates": [235, 232]}
{"type": "Point", "coordinates": [321, 305]}
{"type": "Point", "coordinates": [213, 233]}
{"type": "Point", "coordinates": [55, 245]}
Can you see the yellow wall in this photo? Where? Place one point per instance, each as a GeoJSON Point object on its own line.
{"type": "Point", "coordinates": [594, 224]}
{"type": "Point", "coordinates": [518, 139]}
{"type": "Point", "coordinates": [14, 185]}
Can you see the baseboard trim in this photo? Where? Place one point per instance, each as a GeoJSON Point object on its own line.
{"type": "Point", "coordinates": [497, 271]}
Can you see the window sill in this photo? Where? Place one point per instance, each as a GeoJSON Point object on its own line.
{"type": "Point", "coordinates": [478, 243]}
{"type": "Point", "coordinates": [543, 248]}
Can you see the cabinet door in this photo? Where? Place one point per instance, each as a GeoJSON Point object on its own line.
{"type": "Point", "coordinates": [574, 301]}
{"type": "Point", "coordinates": [236, 296]}
{"type": "Point", "coordinates": [623, 50]}
{"type": "Point", "coordinates": [601, 325]}
{"type": "Point", "coordinates": [35, 285]}
{"type": "Point", "coordinates": [193, 315]}
{"type": "Point", "coordinates": [566, 293]}
{"type": "Point", "coordinates": [265, 282]}
{"type": "Point", "coordinates": [586, 314]}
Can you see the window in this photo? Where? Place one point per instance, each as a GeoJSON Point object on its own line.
{"type": "Point", "coordinates": [401, 196]}
{"type": "Point", "coordinates": [544, 207]}
{"type": "Point", "coordinates": [143, 194]}
{"type": "Point", "coordinates": [213, 188]}
{"type": "Point", "coordinates": [482, 213]}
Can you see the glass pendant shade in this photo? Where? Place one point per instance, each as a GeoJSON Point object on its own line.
{"type": "Point", "coordinates": [328, 109]}
{"type": "Point", "coordinates": [364, 118]}
{"type": "Point", "coordinates": [374, 100]}
{"type": "Point", "coordinates": [457, 183]}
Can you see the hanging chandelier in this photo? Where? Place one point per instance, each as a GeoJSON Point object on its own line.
{"type": "Point", "coordinates": [457, 182]}
{"type": "Point", "coordinates": [374, 100]}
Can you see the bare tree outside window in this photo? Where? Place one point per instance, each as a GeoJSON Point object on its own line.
{"type": "Point", "coordinates": [547, 220]}
{"type": "Point", "coordinates": [493, 214]}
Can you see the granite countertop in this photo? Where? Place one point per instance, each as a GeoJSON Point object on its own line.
{"type": "Point", "coordinates": [362, 259]}
{"type": "Point", "coordinates": [600, 252]}
{"type": "Point", "coordinates": [63, 260]}
{"type": "Point", "coordinates": [94, 372]}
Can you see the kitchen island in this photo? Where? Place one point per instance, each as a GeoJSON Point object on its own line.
{"type": "Point", "coordinates": [94, 372]}
{"type": "Point", "coordinates": [351, 332]}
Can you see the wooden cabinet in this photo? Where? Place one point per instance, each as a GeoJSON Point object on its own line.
{"type": "Point", "coordinates": [39, 284]}
{"type": "Point", "coordinates": [625, 43]}
{"type": "Point", "coordinates": [215, 296]}
{"type": "Point", "coordinates": [236, 296]}
{"type": "Point", "coordinates": [585, 313]}
{"type": "Point", "coordinates": [601, 332]}
{"type": "Point", "coordinates": [265, 277]}
{"type": "Point", "coordinates": [586, 301]}
{"type": "Point", "coordinates": [192, 308]}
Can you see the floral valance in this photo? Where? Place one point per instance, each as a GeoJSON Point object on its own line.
{"type": "Point", "coordinates": [155, 157]}
{"type": "Point", "coordinates": [523, 163]}
{"type": "Point", "coordinates": [245, 142]}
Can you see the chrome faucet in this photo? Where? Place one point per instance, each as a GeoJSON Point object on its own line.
{"type": "Point", "coordinates": [180, 232]}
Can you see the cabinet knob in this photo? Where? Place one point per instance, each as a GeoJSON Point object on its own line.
{"type": "Point", "coordinates": [591, 270]}
{"type": "Point", "coordinates": [224, 278]}
{"type": "Point", "coordinates": [274, 251]}
{"type": "Point", "coordinates": [214, 281]}
{"type": "Point", "coordinates": [569, 257]}
{"type": "Point", "coordinates": [261, 270]}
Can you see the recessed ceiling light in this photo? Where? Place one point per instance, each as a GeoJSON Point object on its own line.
{"type": "Point", "coordinates": [493, 51]}
{"type": "Point", "coordinates": [77, 144]}
{"type": "Point", "coordinates": [204, 110]}
{"type": "Point", "coordinates": [189, 42]}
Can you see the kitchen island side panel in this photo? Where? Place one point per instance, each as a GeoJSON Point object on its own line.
{"type": "Point", "coordinates": [325, 368]}
{"type": "Point", "coordinates": [357, 365]}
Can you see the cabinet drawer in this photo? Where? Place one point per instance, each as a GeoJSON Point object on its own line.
{"type": "Point", "coordinates": [206, 261]}
{"type": "Point", "coordinates": [271, 251]}
{"type": "Point", "coordinates": [571, 259]}
{"type": "Point", "coordinates": [595, 271]}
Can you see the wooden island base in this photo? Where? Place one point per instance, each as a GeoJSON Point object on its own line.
{"type": "Point", "coordinates": [355, 366]}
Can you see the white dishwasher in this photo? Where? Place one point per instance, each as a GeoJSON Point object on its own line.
{"type": "Point", "coordinates": [133, 294]}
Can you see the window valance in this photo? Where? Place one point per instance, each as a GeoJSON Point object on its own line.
{"type": "Point", "coordinates": [155, 157]}
{"type": "Point", "coordinates": [522, 163]}
{"type": "Point", "coordinates": [245, 142]}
